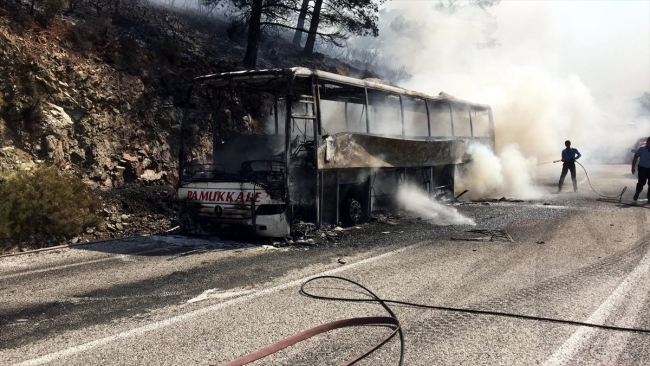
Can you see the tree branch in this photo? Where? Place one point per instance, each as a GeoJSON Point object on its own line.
{"type": "Point", "coordinates": [327, 35]}
{"type": "Point", "coordinates": [281, 6]}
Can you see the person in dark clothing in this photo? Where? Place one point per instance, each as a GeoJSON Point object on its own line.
{"type": "Point", "coordinates": [642, 155]}
{"type": "Point", "coordinates": [569, 157]}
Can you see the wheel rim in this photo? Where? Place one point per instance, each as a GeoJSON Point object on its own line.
{"type": "Point", "coordinates": [355, 210]}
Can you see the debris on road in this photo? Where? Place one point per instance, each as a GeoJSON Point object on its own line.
{"type": "Point", "coordinates": [462, 193]}
{"type": "Point", "coordinates": [306, 241]}
{"type": "Point", "coordinates": [502, 199]}
{"type": "Point", "coordinates": [488, 235]}
{"type": "Point", "coordinates": [269, 247]}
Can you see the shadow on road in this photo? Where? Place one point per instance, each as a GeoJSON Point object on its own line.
{"type": "Point", "coordinates": [634, 204]}
{"type": "Point", "coordinates": [172, 245]}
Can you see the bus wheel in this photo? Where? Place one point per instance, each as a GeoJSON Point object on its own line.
{"type": "Point", "coordinates": [351, 211]}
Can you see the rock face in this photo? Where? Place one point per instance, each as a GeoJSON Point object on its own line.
{"type": "Point", "coordinates": [102, 94]}
{"type": "Point", "coordinates": [78, 112]}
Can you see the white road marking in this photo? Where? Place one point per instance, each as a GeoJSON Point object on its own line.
{"type": "Point", "coordinates": [179, 318]}
{"type": "Point", "coordinates": [565, 354]}
{"type": "Point", "coordinates": [215, 293]}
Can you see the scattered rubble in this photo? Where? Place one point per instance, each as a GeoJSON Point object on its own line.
{"type": "Point", "coordinates": [488, 235]}
{"type": "Point", "coordinates": [502, 199]}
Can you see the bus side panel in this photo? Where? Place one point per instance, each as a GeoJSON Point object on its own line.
{"type": "Point", "coordinates": [347, 150]}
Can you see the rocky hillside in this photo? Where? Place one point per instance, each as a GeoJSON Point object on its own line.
{"type": "Point", "coordinates": [101, 94]}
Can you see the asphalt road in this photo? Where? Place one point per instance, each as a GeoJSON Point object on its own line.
{"type": "Point", "coordinates": [170, 300]}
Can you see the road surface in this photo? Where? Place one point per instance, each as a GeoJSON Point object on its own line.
{"type": "Point", "coordinates": [171, 300]}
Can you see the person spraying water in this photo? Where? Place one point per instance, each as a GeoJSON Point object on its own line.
{"type": "Point", "coordinates": [569, 157]}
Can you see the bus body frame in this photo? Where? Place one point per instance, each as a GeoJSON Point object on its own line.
{"type": "Point", "coordinates": [320, 165]}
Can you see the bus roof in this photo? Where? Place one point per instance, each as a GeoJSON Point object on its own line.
{"type": "Point", "coordinates": [324, 75]}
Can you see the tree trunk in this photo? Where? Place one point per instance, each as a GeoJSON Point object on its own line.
{"type": "Point", "coordinates": [116, 10]}
{"type": "Point", "coordinates": [313, 27]}
{"type": "Point", "coordinates": [250, 59]}
{"type": "Point", "coordinates": [297, 37]}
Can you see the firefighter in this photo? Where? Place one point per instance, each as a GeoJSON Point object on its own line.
{"type": "Point", "coordinates": [642, 155]}
{"type": "Point", "coordinates": [569, 157]}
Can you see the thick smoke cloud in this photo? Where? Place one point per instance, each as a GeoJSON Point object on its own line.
{"type": "Point", "coordinates": [537, 100]}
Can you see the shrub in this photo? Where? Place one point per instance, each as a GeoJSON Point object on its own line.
{"type": "Point", "coordinates": [44, 205]}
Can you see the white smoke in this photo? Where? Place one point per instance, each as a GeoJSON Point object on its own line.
{"type": "Point", "coordinates": [418, 202]}
{"type": "Point", "coordinates": [489, 175]}
{"type": "Point", "coordinates": [537, 102]}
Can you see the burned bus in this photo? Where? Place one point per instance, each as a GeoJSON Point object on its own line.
{"type": "Point", "coordinates": [263, 150]}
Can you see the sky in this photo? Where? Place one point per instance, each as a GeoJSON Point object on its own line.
{"type": "Point", "coordinates": [605, 43]}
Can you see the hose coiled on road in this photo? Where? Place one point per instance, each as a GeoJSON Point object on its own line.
{"type": "Point", "coordinates": [392, 321]}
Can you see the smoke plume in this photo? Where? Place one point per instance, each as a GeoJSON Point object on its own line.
{"type": "Point", "coordinates": [489, 175]}
{"type": "Point", "coordinates": [418, 202]}
{"type": "Point", "coordinates": [538, 100]}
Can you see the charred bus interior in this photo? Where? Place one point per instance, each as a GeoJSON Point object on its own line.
{"type": "Point", "coordinates": [264, 150]}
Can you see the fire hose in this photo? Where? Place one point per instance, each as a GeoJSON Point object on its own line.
{"type": "Point", "coordinates": [618, 197]}
{"type": "Point", "coordinates": [351, 322]}
{"type": "Point", "coordinates": [393, 322]}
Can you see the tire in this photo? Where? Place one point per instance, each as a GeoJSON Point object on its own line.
{"type": "Point", "coordinates": [351, 210]}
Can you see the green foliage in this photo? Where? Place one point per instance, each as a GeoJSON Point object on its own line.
{"type": "Point", "coordinates": [43, 205]}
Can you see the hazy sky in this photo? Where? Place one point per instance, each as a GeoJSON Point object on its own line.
{"type": "Point", "coordinates": [605, 43]}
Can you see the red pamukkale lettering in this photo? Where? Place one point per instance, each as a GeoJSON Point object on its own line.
{"type": "Point", "coordinates": [220, 196]}
{"type": "Point", "coordinates": [212, 195]}
{"type": "Point", "coordinates": [240, 197]}
{"type": "Point", "coordinates": [229, 196]}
